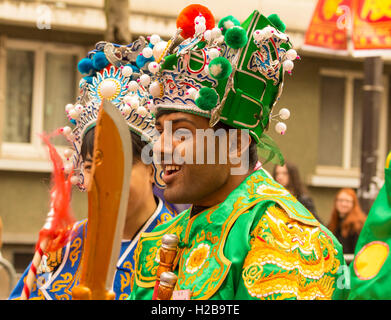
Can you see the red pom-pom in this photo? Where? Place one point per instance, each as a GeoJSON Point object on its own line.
{"type": "Point", "coordinates": [185, 20]}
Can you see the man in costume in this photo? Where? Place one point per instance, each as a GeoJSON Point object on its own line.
{"type": "Point", "coordinates": [119, 74]}
{"type": "Point", "coordinates": [370, 269]}
{"type": "Point", "coordinates": [245, 236]}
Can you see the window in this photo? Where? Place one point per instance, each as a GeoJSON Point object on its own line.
{"type": "Point", "coordinates": [40, 79]}
{"type": "Point", "coordinates": [340, 127]}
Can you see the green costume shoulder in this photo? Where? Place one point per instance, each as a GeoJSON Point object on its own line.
{"type": "Point", "coordinates": [260, 243]}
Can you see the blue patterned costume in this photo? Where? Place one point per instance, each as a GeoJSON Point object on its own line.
{"type": "Point", "coordinates": [60, 271]}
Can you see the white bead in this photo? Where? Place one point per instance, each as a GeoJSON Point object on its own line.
{"type": "Point", "coordinates": [208, 35]}
{"type": "Point", "coordinates": [155, 38]}
{"type": "Point", "coordinates": [74, 180]}
{"type": "Point", "coordinates": [213, 53]}
{"type": "Point", "coordinates": [127, 99]}
{"type": "Point", "coordinates": [78, 108]}
{"type": "Point", "coordinates": [268, 31]}
{"type": "Point", "coordinates": [154, 89]}
{"type": "Point", "coordinates": [200, 19]}
{"type": "Point", "coordinates": [107, 88]}
{"type": "Point", "coordinates": [228, 24]}
{"type": "Point", "coordinates": [216, 32]}
{"type": "Point", "coordinates": [291, 54]}
{"type": "Point", "coordinates": [153, 67]}
{"type": "Point", "coordinates": [284, 114]}
{"type": "Point", "coordinates": [134, 102]}
{"type": "Point", "coordinates": [69, 107]}
{"type": "Point", "coordinates": [199, 28]}
{"type": "Point", "coordinates": [127, 71]}
{"type": "Point", "coordinates": [68, 153]}
{"type": "Point", "coordinates": [206, 69]}
{"type": "Point", "coordinates": [151, 106]}
{"type": "Point", "coordinates": [258, 35]}
{"type": "Point", "coordinates": [147, 52]}
{"type": "Point", "coordinates": [158, 49]}
{"type": "Point", "coordinates": [288, 65]}
{"type": "Point", "coordinates": [191, 93]}
{"type": "Point", "coordinates": [280, 127]}
{"type": "Point", "coordinates": [68, 168]}
{"type": "Point", "coordinates": [142, 111]}
{"type": "Point", "coordinates": [126, 110]}
{"type": "Point", "coordinates": [145, 80]}
{"type": "Point", "coordinates": [66, 131]}
{"type": "Point", "coordinates": [74, 114]}
{"type": "Point", "coordinates": [133, 86]}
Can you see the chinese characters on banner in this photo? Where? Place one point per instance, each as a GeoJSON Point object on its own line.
{"type": "Point", "coordinates": [366, 22]}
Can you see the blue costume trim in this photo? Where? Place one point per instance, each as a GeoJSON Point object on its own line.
{"type": "Point", "coordinates": [58, 283]}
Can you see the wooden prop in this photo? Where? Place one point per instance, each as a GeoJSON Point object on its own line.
{"type": "Point", "coordinates": [167, 283]}
{"type": "Point", "coordinates": [168, 252]}
{"type": "Point", "coordinates": [108, 195]}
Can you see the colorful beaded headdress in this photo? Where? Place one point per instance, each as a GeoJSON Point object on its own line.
{"type": "Point", "coordinates": [119, 74]}
{"type": "Point", "coordinates": [231, 73]}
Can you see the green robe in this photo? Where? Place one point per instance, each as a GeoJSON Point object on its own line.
{"type": "Point", "coordinates": [260, 243]}
{"type": "Point", "coordinates": [371, 267]}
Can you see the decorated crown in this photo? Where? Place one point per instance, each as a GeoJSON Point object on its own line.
{"type": "Point", "coordinates": [119, 74]}
{"type": "Point", "coordinates": [231, 73]}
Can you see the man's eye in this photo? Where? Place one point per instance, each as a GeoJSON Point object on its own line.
{"type": "Point", "coordinates": [182, 134]}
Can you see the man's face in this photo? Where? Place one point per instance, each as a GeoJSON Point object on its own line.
{"type": "Point", "coordinates": [194, 180]}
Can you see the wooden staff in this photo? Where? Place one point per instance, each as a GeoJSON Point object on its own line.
{"type": "Point", "coordinates": [167, 283]}
{"type": "Point", "coordinates": [168, 252]}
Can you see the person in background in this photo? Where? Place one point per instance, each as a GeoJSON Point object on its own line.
{"type": "Point", "coordinates": [347, 219]}
{"type": "Point", "coordinates": [288, 176]}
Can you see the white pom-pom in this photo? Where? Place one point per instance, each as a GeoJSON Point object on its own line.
{"type": "Point", "coordinates": [145, 80]}
{"type": "Point", "coordinates": [69, 107]}
{"type": "Point", "coordinates": [208, 35]}
{"type": "Point", "coordinates": [127, 71]}
{"type": "Point", "coordinates": [155, 38]}
{"type": "Point", "coordinates": [216, 32]}
{"type": "Point", "coordinates": [133, 86]}
{"type": "Point", "coordinates": [215, 70]}
{"type": "Point", "coordinates": [158, 49]}
{"type": "Point", "coordinates": [284, 114]}
{"type": "Point", "coordinates": [153, 67]}
{"type": "Point", "coordinates": [126, 110]}
{"type": "Point", "coordinates": [75, 180]}
{"type": "Point", "coordinates": [213, 53]}
{"type": "Point", "coordinates": [107, 88]}
{"type": "Point", "coordinates": [151, 106]}
{"type": "Point", "coordinates": [154, 89]}
{"type": "Point", "coordinates": [191, 93]}
{"type": "Point", "coordinates": [291, 54]}
{"type": "Point", "coordinates": [147, 52]}
{"type": "Point", "coordinates": [127, 99]}
{"type": "Point", "coordinates": [280, 127]}
{"type": "Point", "coordinates": [200, 19]}
{"type": "Point", "coordinates": [68, 153]}
{"type": "Point", "coordinates": [142, 111]}
{"type": "Point", "coordinates": [288, 65]}
{"type": "Point", "coordinates": [220, 39]}
{"type": "Point", "coordinates": [78, 107]}
{"type": "Point", "coordinates": [66, 131]}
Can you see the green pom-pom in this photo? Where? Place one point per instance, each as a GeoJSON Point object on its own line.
{"type": "Point", "coordinates": [220, 68]}
{"type": "Point", "coordinates": [227, 22]}
{"type": "Point", "coordinates": [236, 37]}
{"type": "Point", "coordinates": [201, 44]}
{"type": "Point", "coordinates": [276, 21]}
{"type": "Point", "coordinates": [207, 99]}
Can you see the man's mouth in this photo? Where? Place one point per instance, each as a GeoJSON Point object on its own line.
{"type": "Point", "coordinates": [170, 171]}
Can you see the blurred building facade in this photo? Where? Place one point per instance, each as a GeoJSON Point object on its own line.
{"type": "Point", "coordinates": [42, 41]}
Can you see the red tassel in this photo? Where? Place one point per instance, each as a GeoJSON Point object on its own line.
{"type": "Point", "coordinates": [185, 20]}
{"type": "Point", "coordinates": [58, 230]}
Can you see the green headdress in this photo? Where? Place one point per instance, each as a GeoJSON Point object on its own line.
{"type": "Point", "coordinates": [232, 73]}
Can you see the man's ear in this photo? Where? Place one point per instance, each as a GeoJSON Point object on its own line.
{"type": "Point", "coordinates": [239, 143]}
